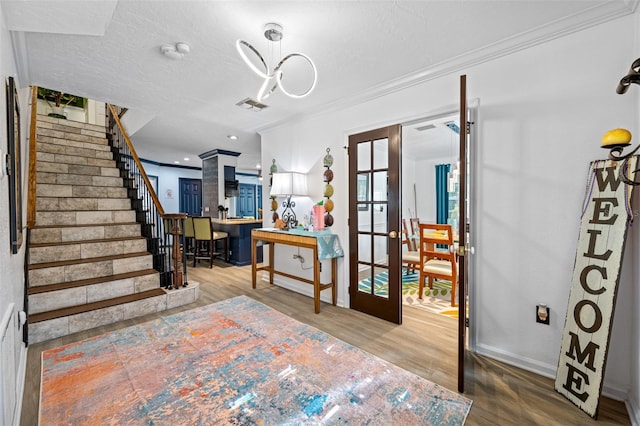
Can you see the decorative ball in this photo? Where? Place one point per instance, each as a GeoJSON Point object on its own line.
{"type": "Point", "coordinates": [328, 159]}
{"type": "Point", "coordinates": [275, 217]}
{"type": "Point", "coordinates": [328, 175]}
{"type": "Point", "coordinates": [328, 206]}
{"type": "Point", "coordinates": [616, 137]}
{"type": "Point", "coordinates": [328, 220]}
{"type": "Point", "coordinates": [328, 190]}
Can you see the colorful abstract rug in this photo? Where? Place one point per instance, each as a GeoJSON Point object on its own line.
{"type": "Point", "coordinates": [234, 362]}
{"type": "Point", "coordinates": [436, 300]}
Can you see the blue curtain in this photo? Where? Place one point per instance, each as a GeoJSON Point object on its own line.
{"type": "Point", "coordinates": [442, 195]}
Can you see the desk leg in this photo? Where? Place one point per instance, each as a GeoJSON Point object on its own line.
{"type": "Point", "coordinates": [271, 261]}
{"type": "Point", "coordinates": [334, 280]}
{"type": "Point", "coordinates": [316, 281]}
{"type": "Point", "coordinates": [254, 261]}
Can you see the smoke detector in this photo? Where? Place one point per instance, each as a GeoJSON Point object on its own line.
{"type": "Point", "coordinates": [175, 51]}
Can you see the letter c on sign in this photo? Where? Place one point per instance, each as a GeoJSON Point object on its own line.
{"type": "Point", "coordinates": [597, 322]}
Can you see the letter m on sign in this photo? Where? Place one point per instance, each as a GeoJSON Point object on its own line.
{"type": "Point", "coordinates": [596, 275]}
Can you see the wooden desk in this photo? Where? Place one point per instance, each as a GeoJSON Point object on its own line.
{"type": "Point", "coordinates": [297, 240]}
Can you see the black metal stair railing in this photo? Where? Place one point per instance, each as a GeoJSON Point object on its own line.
{"type": "Point", "coordinates": [144, 200]}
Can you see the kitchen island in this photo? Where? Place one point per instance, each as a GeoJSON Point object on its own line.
{"type": "Point", "coordinates": [239, 231]}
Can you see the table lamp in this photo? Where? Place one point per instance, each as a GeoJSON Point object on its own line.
{"type": "Point", "coordinates": [288, 184]}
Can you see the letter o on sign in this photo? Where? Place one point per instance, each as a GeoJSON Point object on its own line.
{"type": "Point", "coordinates": [597, 322]}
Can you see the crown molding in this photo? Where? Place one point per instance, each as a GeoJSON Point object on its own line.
{"type": "Point", "coordinates": [544, 33]}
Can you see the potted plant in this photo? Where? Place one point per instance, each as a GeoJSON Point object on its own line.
{"type": "Point", "coordinates": [58, 100]}
{"type": "Point", "coordinates": [223, 211]}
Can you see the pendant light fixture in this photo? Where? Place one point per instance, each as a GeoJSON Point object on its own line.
{"type": "Point", "coordinates": [273, 78]}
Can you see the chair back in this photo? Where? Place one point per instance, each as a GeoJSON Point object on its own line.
{"type": "Point", "coordinates": [433, 235]}
{"type": "Point", "coordinates": [202, 228]}
{"type": "Point", "coordinates": [406, 236]}
{"type": "Point", "coordinates": [188, 227]}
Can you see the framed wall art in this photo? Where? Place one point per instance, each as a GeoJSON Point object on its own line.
{"type": "Point", "coordinates": [13, 166]}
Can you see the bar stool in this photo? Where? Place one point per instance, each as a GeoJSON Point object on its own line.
{"type": "Point", "coordinates": [205, 240]}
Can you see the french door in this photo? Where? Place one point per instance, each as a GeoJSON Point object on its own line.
{"type": "Point", "coordinates": [374, 223]}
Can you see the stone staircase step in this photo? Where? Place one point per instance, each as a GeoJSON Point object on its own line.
{"type": "Point", "coordinates": [65, 131]}
{"type": "Point", "coordinates": [75, 159]}
{"type": "Point", "coordinates": [74, 179]}
{"type": "Point", "coordinates": [63, 183]}
{"type": "Point", "coordinates": [53, 324]}
{"type": "Point", "coordinates": [35, 318]}
{"type": "Point", "coordinates": [88, 217]}
{"type": "Point", "coordinates": [73, 270]}
{"type": "Point", "coordinates": [53, 148]}
{"type": "Point", "coordinates": [64, 295]}
{"type": "Point", "coordinates": [53, 252]}
{"type": "Point", "coordinates": [49, 203]}
{"type": "Point", "coordinates": [101, 145]}
{"type": "Point", "coordinates": [57, 234]}
{"type": "Point", "coordinates": [48, 122]}
{"type": "Point", "coordinates": [75, 169]}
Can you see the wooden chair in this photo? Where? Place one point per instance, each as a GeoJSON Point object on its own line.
{"type": "Point", "coordinates": [437, 263]}
{"type": "Point", "coordinates": [411, 256]}
{"type": "Point", "coordinates": [205, 240]}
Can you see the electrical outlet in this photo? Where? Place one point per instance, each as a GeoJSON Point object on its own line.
{"type": "Point", "coordinates": [542, 314]}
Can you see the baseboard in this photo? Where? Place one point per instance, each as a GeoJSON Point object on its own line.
{"type": "Point", "coordinates": [21, 377]}
{"type": "Point", "coordinates": [546, 370]}
{"type": "Point", "coordinates": [634, 412]}
{"type": "Point", "coordinates": [529, 364]}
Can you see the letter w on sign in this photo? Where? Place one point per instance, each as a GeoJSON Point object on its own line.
{"type": "Point", "coordinates": [606, 215]}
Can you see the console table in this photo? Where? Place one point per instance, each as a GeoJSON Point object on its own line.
{"type": "Point", "coordinates": [323, 244]}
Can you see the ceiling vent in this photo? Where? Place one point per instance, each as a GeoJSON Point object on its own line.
{"type": "Point", "coordinates": [252, 105]}
{"type": "Point", "coordinates": [427, 127]}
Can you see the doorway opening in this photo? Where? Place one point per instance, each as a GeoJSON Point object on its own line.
{"type": "Point", "coordinates": [429, 195]}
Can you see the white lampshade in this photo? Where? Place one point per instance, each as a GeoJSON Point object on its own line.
{"type": "Point", "coordinates": [289, 183]}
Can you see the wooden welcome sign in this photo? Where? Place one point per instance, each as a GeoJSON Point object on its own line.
{"type": "Point", "coordinates": [606, 215]}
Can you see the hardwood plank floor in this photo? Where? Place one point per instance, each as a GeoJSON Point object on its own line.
{"type": "Point", "coordinates": [424, 344]}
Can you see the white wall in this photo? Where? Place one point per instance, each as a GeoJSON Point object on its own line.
{"type": "Point", "coordinates": [168, 183]}
{"type": "Point", "coordinates": [542, 114]}
{"type": "Point", "coordinates": [422, 174]}
{"type": "Point", "coordinates": [12, 265]}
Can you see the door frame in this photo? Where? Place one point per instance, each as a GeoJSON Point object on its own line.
{"type": "Point", "coordinates": [472, 215]}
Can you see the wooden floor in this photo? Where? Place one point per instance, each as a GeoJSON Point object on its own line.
{"type": "Point", "coordinates": [424, 344]}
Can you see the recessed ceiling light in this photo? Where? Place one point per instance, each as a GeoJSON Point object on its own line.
{"type": "Point", "coordinates": [177, 162]}
{"type": "Point", "coordinates": [186, 158]}
{"type": "Point", "coordinates": [232, 137]}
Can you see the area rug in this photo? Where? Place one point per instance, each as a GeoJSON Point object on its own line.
{"type": "Point", "coordinates": [436, 300]}
{"type": "Point", "coordinates": [235, 362]}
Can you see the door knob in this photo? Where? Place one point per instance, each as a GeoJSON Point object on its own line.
{"type": "Point", "coordinates": [393, 234]}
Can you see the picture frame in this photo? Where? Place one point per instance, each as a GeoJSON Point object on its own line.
{"type": "Point", "coordinates": [362, 191]}
{"type": "Point", "coordinates": [14, 165]}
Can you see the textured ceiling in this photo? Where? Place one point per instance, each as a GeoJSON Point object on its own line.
{"type": "Point", "coordinates": [360, 48]}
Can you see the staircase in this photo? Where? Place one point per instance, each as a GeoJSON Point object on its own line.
{"type": "Point", "coordinates": [88, 261]}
